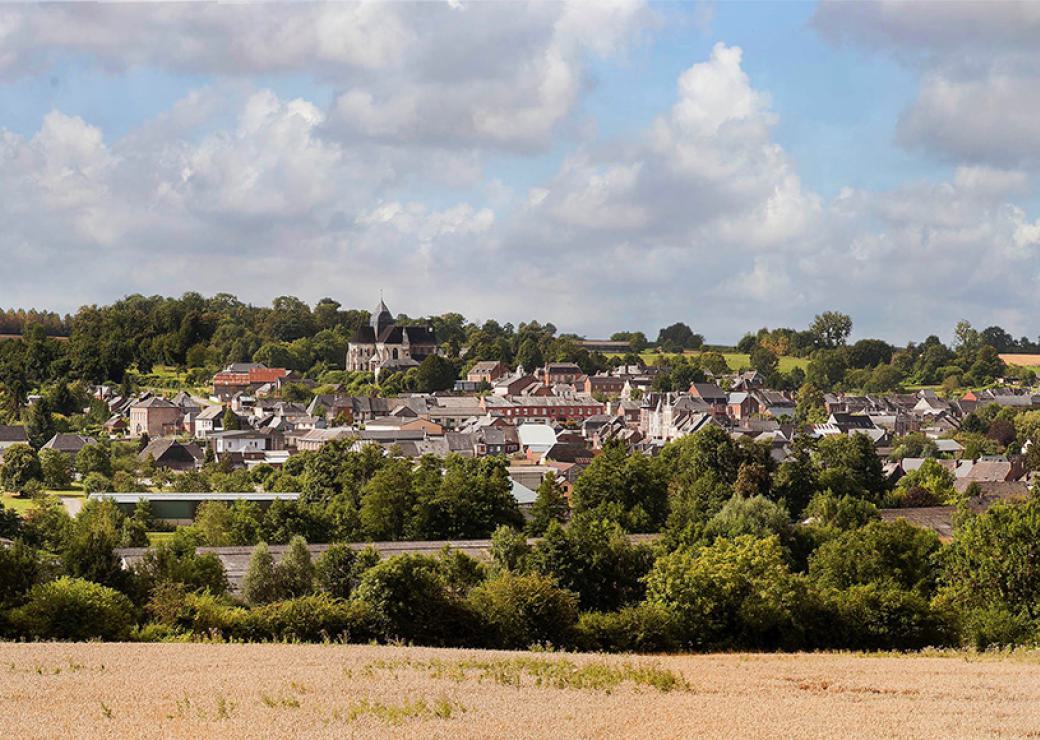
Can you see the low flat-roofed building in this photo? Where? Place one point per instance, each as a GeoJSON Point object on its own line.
{"type": "Point", "coordinates": [180, 508]}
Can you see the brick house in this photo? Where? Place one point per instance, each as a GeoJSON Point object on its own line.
{"type": "Point", "coordinates": [155, 417]}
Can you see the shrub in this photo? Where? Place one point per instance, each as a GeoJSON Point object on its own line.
{"type": "Point", "coordinates": [878, 616]}
{"type": "Point", "coordinates": [313, 618]}
{"type": "Point", "coordinates": [409, 595]}
{"type": "Point", "coordinates": [733, 593]}
{"type": "Point", "coordinates": [260, 585]}
{"type": "Point", "coordinates": [74, 609]}
{"type": "Point", "coordinates": [644, 628]}
{"type": "Point", "coordinates": [524, 610]}
{"type": "Point", "coordinates": [295, 573]}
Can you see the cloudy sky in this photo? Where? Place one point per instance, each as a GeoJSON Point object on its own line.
{"type": "Point", "coordinates": [602, 166]}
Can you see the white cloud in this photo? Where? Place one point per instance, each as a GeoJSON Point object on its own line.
{"type": "Point", "coordinates": [978, 100]}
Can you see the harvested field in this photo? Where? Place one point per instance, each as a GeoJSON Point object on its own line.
{"type": "Point", "coordinates": [244, 691]}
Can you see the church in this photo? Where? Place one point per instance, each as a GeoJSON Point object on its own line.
{"type": "Point", "coordinates": [383, 347]}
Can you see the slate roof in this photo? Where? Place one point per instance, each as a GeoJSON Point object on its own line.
{"type": "Point", "coordinates": [12, 433]}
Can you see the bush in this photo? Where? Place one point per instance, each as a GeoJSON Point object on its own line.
{"type": "Point", "coordinates": [410, 597]}
{"type": "Point", "coordinates": [74, 609]}
{"type": "Point", "coordinates": [734, 593]}
{"type": "Point", "coordinates": [644, 628]}
{"type": "Point", "coordinates": [524, 610]}
{"type": "Point", "coordinates": [316, 618]}
{"type": "Point", "coordinates": [878, 616]}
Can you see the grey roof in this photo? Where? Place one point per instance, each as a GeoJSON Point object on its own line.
{"type": "Point", "coordinates": [68, 442]}
{"type": "Point", "coordinates": [12, 433]}
{"type": "Point", "coordinates": [155, 402]}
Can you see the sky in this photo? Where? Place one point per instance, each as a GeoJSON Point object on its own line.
{"type": "Point", "coordinates": [604, 166]}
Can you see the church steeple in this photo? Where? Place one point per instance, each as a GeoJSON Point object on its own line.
{"type": "Point", "coordinates": [381, 318]}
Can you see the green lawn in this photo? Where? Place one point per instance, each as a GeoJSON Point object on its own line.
{"type": "Point", "coordinates": [16, 503]}
{"type": "Point", "coordinates": [735, 360]}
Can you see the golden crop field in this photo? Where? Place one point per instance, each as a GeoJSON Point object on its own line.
{"type": "Point", "coordinates": [269, 691]}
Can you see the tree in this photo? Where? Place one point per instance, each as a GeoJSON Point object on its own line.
{"type": "Point", "coordinates": [756, 516]}
{"type": "Point", "coordinates": [595, 559]}
{"type": "Point", "coordinates": [295, 572]}
{"type": "Point", "coordinates": [39, 426]}
{"type": "Point", "coordinates": [74, 609]}
{"type": "Point", "coordinates": [734, 593]}
{"type": "Point", "coordinates": [521, 610]}
{"type": "Point", "coordinates": [21, 465]}
{"type": "Point", "coordinates": [765, 361]}
{"type": "Point", "coordinates": [213, 523]}
{"type": "Point", "coordinates": [90, 547]}
{"type": "Point", "coordinates": [550, 505]}
{"type": "Point", "coordinates": [529, 356]}
{"type": "Point", "coordinates": [56, 469]}
{"type": "Point", "coordinates": [339, 569]}
{"type": "Point", "coordinates": [826, 368]}
{"type": "Point", "coordinates": [260, 585]}
{"type": "Point", "coordinates": [678, 337]}
{"type": "Point", "coordinates": [628, 488]}
{"type": "Point", "coordinates": [435, 373]}
{"type": "Point", "coordinates": [896, 553]}
{"type": "Point", "coordinates": [387, 501]}
{"type": "Point", "coordinates": [94, 458]}
{"type": "Point", "coordinates": [230, 421]}
{"type": "Point", "coordinates": [831, 329]}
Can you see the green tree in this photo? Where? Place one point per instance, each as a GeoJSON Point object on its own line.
{"type": "Point", "coordinates": [896, 553]}
{"type": "Point", "coordinates": [831, 329]}
{"type": "Point", "coordinates": [756, 516]}
{"type": "Point", "coordinates": [295, 572]}
{"type": "Point", "coordinates": [21, 465]}
{"type": "Point", "coordinates": [39, 425]}
{"type": "Point", "coordinates": [230, 421]}
{"type": "Point", "coordinates": [735, 593]}
{"type": "Point", "coordinates": [94, 458]}
{"type": "Point", "coordinates": [529, 356]}
{"type": "Point", "coordinates": [550, 505]}
{"type": "Point", "coordinates": [260, 585]}
{"type": "Point", "coordinates": [56, 469]}
{"type": "Point", "coordinates": [595, 559]}
{"type": "Point", "coordinates": [435, 373]}
{"type": "Point", "coordinates": [521, 610]}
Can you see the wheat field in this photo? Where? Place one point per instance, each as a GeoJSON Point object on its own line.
{"type": "Point", "coordinates": [270, 691]}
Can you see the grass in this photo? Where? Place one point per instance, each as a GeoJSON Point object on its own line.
{"type": "Point", "coordinates": [736, 360]}
{"type": "Point", "coordinates": [17, 503]}
{"type": "Point", "coordinates": [275, 691]}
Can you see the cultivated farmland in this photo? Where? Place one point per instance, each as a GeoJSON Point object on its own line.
{"type": "Point", "coordinates": [223, 690]}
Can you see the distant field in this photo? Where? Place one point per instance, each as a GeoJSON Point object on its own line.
{"type": "Point", "coordinates": [735, 360]}
{"type": "Point", "coordinates": [261, 691]}
{"type": "Point", "coordinates": [1020, 360]}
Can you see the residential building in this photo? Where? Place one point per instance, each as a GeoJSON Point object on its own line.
{"type": "Point", "coordinates": [155, 417]}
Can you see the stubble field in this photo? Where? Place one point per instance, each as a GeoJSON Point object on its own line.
{"type": "Point", "coordinates": [269, 691]}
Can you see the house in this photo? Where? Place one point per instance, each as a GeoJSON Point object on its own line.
{"type": "Point", "coordinates": [382, 346]}
{"type": "Point", "coordinates": [560, 372]}
{"type": "Point", "coordinates": [173, 455]}
{"type": "Point", "coordinates": [244, 377]}
{"type": "Point", "coordinates": [486, 371]}
{"type": "Point", "coordinates": [404, 423]}
{"type": "Point", "coordinates": [116, 426]}
{"type": "Point", "coordinates": [11, 435]}
{"type": "Point", "coordinates": [497, 441]}
{"type": "Point", "coordinates": [748, 380]}
{"type": "Point", "coordinates": [314, 439]}
{"type": "Point", "coordinates": [607, 385]}
{"type": "Point", "coordinates": [70, 444]}
{"type": "Point", "coordinates": [209, 420]}
{"type": "Point", "coordinates": [541, 409]}
{"type": "Point", "coordinates": [155, 417]}
{"type": "Point", "coordinates": [741, 405]}
{"type": "Point", "coordinates": [239, 441]}
{"type": "Point", "coordinates": [711, 394]}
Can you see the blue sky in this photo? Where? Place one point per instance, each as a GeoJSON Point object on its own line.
{"type": "Point", "coordinates": [602, 166]}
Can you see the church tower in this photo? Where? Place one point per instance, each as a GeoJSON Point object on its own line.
{"type": "Point", "coordinates": [381, 319]}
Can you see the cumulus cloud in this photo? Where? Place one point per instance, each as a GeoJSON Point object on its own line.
{"type": "Point", "coordinates": [432, 74]}
{"type": "Point", "coordinates": [978, 99]}
{"type": "Point", "coordinates": [700, 217]}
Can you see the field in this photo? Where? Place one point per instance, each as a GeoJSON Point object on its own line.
{"type": "Point", "coordinates": [222, 690]}
{"type": "Point", "coordinates": [735, 360]}
{"type": "Point", "coordinates": [1021, 360]}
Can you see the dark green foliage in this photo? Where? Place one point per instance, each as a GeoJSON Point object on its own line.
{"type": "Point", "coordinates": [94, 458]}
{"type": "Point", "coordinates": [523, 610]}
{"type": "Point", "coordinates": [73, 609]}
{"type": "Point", "coordinates": [643, 628]}
{"type": "Point", "coordinates": [736, 593]}
{"type": "Point", "coordinates": [435, 373]}
{"type": "Point", "coordinates": [895, 553]}
{"type": "Point", "coordinates": [594, 559]}
{"type": "Point", "coordinates": [630, 489]}
{"type": "Point", "coordinates": [176, 562]}
{"type": "Point", "coordinates": [509, 549]}
{"type": "Point", "coordinates": [295, 572]}
{"type": "Point", "coordinates": [21, 465]}
{"type": "Point", "coordinates": [413, 603]}
{"type": "Point", "coordinates": [260, 585]}
{"type": "Point", "coordinates": [338, 570]}
{"type": "Point", "coordinates": [20, 569]}
{"type": "Point", "coordinates": [549, 506]}
{"type": "Point", "coordinates": [878, 616]}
